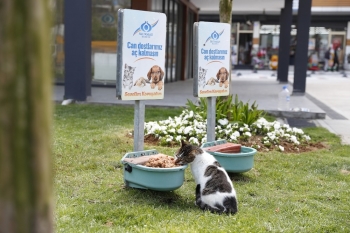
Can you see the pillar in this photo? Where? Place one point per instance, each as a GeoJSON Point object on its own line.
{"type": "Point", "coordinates": [143, 5]}
{"type": "Point", "coordinates": [301, 55]}
{"type": "Point", "coordinates": [284, 41]}
{"type": "Point", "coordinates": [256, 38]}
{"type": "Point", "coordinates": [77, 49]}
{"type": "Point", "coordinates": [256, 35]}
{"type": "Point", "coordinates": [347, 49]}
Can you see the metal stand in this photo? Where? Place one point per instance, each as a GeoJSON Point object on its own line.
{"type": "Point", "coordinates": [211, 115]}
{"type": "Point", "coordinates": [139, 123]}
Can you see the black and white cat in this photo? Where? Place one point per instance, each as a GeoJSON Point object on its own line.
{"type": "Point", "coordinates": [214, 191]}
{"type": "Point", "coordinates": [128, 76]}
{"type": "Point", "coordinates": [201, 76]}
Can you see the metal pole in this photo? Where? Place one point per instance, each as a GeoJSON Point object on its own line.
{"type": "Point", "coordinates": [139, 122]}
{"type": "Point", "coordinates": [211, 115]}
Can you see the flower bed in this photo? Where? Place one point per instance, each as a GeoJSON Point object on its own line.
{"type": "Point", "coordinates": [261, 135]}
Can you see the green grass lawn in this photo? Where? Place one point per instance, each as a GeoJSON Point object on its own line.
{"type": "Point", "coordinates": [307, 192]}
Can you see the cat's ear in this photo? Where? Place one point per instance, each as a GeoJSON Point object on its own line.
{"type": "Point", "coordinates": [183, 143]}
{"type": "Point", "coordinates": [126, 65]}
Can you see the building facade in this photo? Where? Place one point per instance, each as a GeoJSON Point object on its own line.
{"type": "Point", "coordinates": [258, 32]}
{"type": "Point", "coordinates": [180, 17]}
{"type": "Point", "coordinates": [85, 44]}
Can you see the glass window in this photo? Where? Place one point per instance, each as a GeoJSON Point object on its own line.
{"type": "Point", "coordinates": [104, 38]}
{"type": "Point", "coordinates": [157, 5]}
{"type": "Point", "coordinates": [248, 26]}
{"type": "Point", "coordinates": [58, 40]}
{"type": "Point", "coordinates": [234, 49]}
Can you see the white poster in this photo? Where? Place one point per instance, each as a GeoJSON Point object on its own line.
{"type": "Point", "coordinates": [105, 66]}
{"type": "Point", "coordinates": [141, 72]}
{"type": "Point", "coordinates": [212, 76]}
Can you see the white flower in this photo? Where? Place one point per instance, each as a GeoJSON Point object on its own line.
{"type": "Point", "coordinates": [171, 130]}
{"type": "Point", "coordinates": [271, 135]}
{"type": "Point", "coordinates": [236, 133]}
{"type": "Point", "coordinates": [248, 134]}
{"type": "Point", "coordinates": [223, 121]}
{"type": "Point", "coordinates": [281, 148]}
{"type": "Point", "coordinates": [294, 139]}
{"type": "Point", "coordinates": [194, 141]}
{"type": "Point", "coordinates": [169, 139]}
{"type": "Point", "coordinates": [228, 132]}
{"type": "Point", "coordinates": [187, 130]}
{"type": "Point", "coordinates": [178, 138]}
{"type": "Point", "coordinates": [298, 131]}
{"type": "Point", "coordinates": [277, 125]}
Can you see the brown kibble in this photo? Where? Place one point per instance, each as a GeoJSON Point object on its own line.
{"type": "Point", "coordinates": [163, 161]}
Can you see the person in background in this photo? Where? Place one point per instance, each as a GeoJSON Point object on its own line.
{"type": "Point", "coordinates": [327, 56]}
{"type": "Point", "coordinates": [335, 59]}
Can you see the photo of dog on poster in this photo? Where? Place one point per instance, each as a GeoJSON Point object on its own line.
{"type": "Point", "coordinates": [155, 76]}
{"type": "Point", "coordinates": [222, 77]}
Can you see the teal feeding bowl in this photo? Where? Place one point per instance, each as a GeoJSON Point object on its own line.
{"type": "Point", "coordinates": [233, 162]}
{"type": "Point", "coordinates": [159, 179]}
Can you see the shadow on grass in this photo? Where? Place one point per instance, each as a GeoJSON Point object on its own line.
{"type": "Point", "coordinates": [241, 177]}
{"type": "Point", "coordinates": [170, 199]}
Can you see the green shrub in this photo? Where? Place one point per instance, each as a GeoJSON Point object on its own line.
{"type": "Point", "coordinates": [236, 111]}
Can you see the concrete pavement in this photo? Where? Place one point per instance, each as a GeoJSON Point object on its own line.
{"type": "Point", "coordinates": [327, 97]}
{"type": "Point", "coordinates": [332, 93]}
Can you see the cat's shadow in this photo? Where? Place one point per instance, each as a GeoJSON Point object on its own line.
{"type": "Point", "coordinates": [240, 177]}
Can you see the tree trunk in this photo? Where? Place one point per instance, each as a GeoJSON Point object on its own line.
{"type": "Point", "coordinates": [225, 9]}
{"type": "Point", "coordinates": [26, 176]}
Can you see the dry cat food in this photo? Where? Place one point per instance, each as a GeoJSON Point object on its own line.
{"type": "Point", "coordinates": [163, 161]}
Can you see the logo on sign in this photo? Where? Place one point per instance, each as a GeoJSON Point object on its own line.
{"type": "Point", "coordinates": [107, 19]}
{"type": "Point", "coordinates": [145, 29]}
{"type": "Point", "coordinates": [214, 38]}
